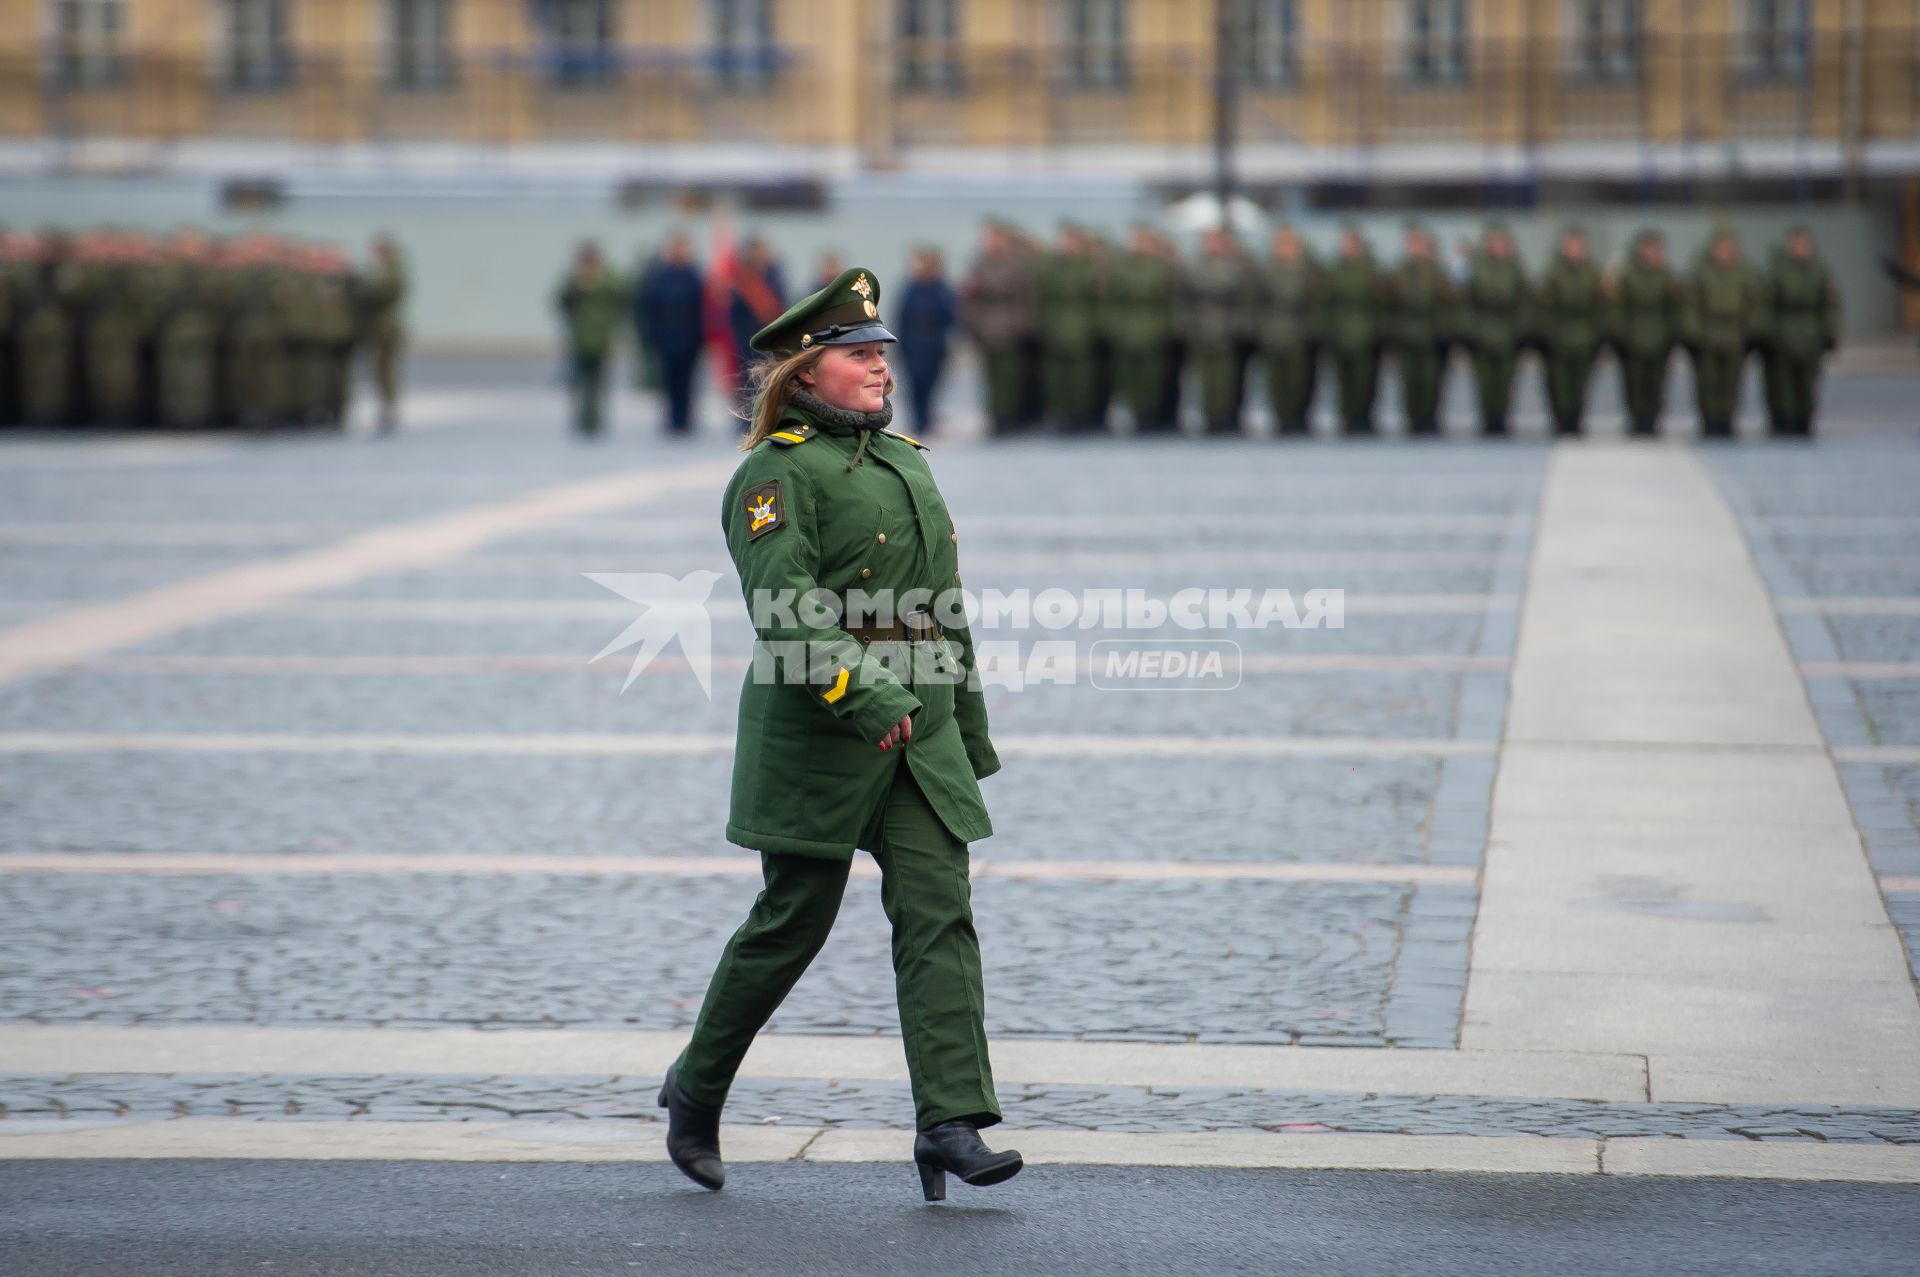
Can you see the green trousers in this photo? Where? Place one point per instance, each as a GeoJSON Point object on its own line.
{"type": "Point", "coordinates": [1716, 387]}
{"type": "Point", "coordinates": [1643, 378]}
{"type": "Point", "coordinates": [1290, 378]}
{"type": "Point", "coordinates": [1222, 377]}
{"type": "Point", "coordinates": [1793, 389]}
{"type": "Point", "coordinates": [589, 390]}
{"type": "Point", "coordinates": [1006, 387]}
{"type": "Point", "coordinates": [1567, 375]}
{"type": "Point", "coordinates": [936, 961]}
{"type": "Point", "coordinates": [1357, 370]}
{"type": "Point", "coordinates": [1070, 379]}
{"type": "Point", "coordinates": [1493, 377]}
{"type": "Point", "coordinates": [1421, 368]}
{"type": "Point", "coordinates": [1140, 377]}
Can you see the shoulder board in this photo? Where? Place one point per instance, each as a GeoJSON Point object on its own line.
{"type": "Point", "coordinates": [910, 439]}
{"type": "Point", "coordinates": [786, 436]}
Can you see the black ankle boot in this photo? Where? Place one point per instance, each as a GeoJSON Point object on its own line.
{"type": "Point", "coordinates": [956, 1146]}
{"type": "Point", "coordinates": [693, 1135]}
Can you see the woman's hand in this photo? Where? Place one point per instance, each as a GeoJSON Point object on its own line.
{"type": "Point", "coordinates": [901, 733]}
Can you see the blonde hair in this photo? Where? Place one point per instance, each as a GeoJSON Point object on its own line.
{"type": "Point", "coordinates": [773, 383]}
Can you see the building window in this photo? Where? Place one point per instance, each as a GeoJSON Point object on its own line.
{"type": "Point", "coordinates": [929, 50]}
{"type": "Point", "coordinates": [577, 43]}
{"type": "Point", "coordinates": [421, 49]}
{"type": "Point", "coordinates": [1606, 39]}
{"type": "Point", "coordinates": [89, 43]}
{"type": "Point", "coordinates": [743, 51]}
{"type": "Point", "coordinates": [258, 52]}
{"type": "Point", "coordinates": [1266, 41]}
{"type": "Point", "coordinates": [1773, 39]}
{"type": "Point", "coordinates": [1434, 42]}
{"type": "Point", "coordinates": [1093, 53]}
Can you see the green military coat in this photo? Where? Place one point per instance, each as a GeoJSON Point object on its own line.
{"type": "Point", "coordinates": [1496, 303]}
{"type": "Point", "coordinates": [1802, 307]}
{"type": "Point", "coordinates": [1647, 310]}
{"type": "Point", "coordinates": [808, 775]}
{"type": "Point", "coordinates": [1138, 304]}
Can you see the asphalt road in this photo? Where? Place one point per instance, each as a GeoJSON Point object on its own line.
{"type": "Point", "coordinates": [215, 1219]}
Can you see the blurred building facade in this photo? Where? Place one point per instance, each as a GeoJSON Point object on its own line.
{"type": "Point", "coordinates": [1312, 90]}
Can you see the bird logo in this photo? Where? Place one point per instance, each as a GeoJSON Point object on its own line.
{"type": "Point", "coordinates": [673, 607]}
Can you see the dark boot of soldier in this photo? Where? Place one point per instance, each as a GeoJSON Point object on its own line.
{"type": "Point", "coordinates": [693, 1135]}
{"type": "Point", "coordinates": [956, 1146]}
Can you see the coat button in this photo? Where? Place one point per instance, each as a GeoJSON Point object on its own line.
{"type": "Point", "coordinates": [956, 576]}
{"type": "Point", "coordinates": [882, 538]}
{"type": "Point", "coordinates": [865, 573]}
{"type": "Point", "coordinates": [954, 537]}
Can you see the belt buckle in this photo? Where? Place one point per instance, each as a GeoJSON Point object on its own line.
{"type": "Point", "coordinates": [920, 626]}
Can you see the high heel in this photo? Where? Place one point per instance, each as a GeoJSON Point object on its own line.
{"type": "Point", "coordinates": [956, 1146]}
{"type": "Point", "coordinates": [693, 1135]}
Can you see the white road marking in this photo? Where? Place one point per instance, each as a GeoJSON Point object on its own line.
{"type": "Point", "coordinates": [297, 863]}
{"type": "Point", "coordinates": [413, 545]}
{"type": "Point", "coordinates": [657, 745]}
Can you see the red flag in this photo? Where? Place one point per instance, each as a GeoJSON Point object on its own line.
{"type": "Point", "coordinates": [721, 274]}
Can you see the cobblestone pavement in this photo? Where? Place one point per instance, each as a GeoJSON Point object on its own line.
{"type": "Point", "coordinates": [1845, 524]}
{"type": "Point", "coordinates": [1359, 810]}
{"type": "Point", "coordinates": [882, 1105]}
{"type": "Point", "coordinates": [1175, 961]}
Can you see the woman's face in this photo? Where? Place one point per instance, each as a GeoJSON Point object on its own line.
{"type": "Point", "coordinates": [851, 377]}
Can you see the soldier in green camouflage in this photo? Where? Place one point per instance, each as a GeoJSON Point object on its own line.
{"type": "Point", "coordinates": [997, 310]}
{"type": "Point", "coordinates": [592, 301]}
{"type": "Point", "coordinates": [1350, 326]}
{"type": "Point", "coordinates": [380, 295]}
{"type": "Point", "coordinates": [1105, 374]}
{"type": "Point", "coordinates": [1647, 301]}
{"type": "Point", "coordinates": [1802, 325]}
{"type": "Point", "coordinates": [1221, 299]}
{"type": "Point", "coordinates": [1138, 312]}
{"type": "Point", "coordinates": [1179, 304]}
{"type": "Point", "coordinates": [1068, 298]}
{"type": "Point", "coordinates": [1571, 303]}
{"type": "Point", "coordinates": [1421, 304]}
{"type": "Point", "coordinates": [45, 334]}
{"type": "Point", "coordinates": [113, 320]}
{"type": "Point", "coordinates": [1720, 319]}
{"type": "Point", "coordinates": [1289, 330]}
{"type": "Point", "coordinates": [335, 331]}
{"type": "Point", "coordinates": [1495, 316]}
{"type": "Point", "coordinates": [187, 332]}
{"type": "Point", "coordinates": [16, 252]}
{"type": "Point", "coordinates": [259, 385]}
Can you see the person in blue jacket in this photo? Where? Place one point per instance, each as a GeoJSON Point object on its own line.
{"type": "Point", "coordinates": [925, 322]}
{"type": "Point", "coordinates": [669, 318]}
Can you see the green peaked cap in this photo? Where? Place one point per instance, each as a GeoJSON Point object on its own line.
{"type": "Point", "coordinates": [844, 313]}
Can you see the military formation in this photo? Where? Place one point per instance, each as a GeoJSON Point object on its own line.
{"type": "Point", "coordinates": [1068, 332]}
{"type": "Point", "coordinates": [118, 328]}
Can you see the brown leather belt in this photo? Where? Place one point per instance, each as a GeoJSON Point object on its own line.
{"type": "Point", "coordinates": [921, 628]}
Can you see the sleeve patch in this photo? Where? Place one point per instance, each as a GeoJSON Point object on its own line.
{"type": "Point", "coordinates": [764, 509]}
{"type": "Point", "coordinates": [839, 688]}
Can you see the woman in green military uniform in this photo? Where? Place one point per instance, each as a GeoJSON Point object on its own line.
{"type": "Point", "coordinates": [861, 726]}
